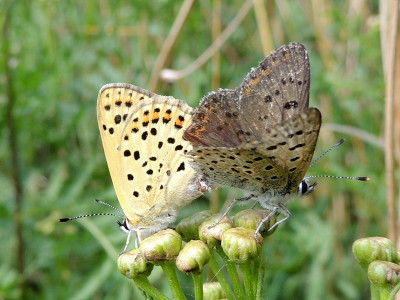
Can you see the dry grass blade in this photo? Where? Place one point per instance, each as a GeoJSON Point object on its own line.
{"type": "Point", "coordinates": [165, 54]}
{"type": "Point", "coordinates": [392, 64]}
{"type": "Point", "coordinates": [173, 75]}
{"type": "Point", "coordinates": [264, 29]}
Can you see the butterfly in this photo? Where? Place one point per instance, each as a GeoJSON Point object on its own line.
{"type": "Point", "coordinates": [142, 136]}
{"type": "Point", "coordinates": [261, 136]}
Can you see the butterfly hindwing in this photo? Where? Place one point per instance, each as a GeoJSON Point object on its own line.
{"type": "Point", "coordinates": [236, 167]}
{"type": "Point", "coordinates": [276, 164]}
{"type": "Point", "coordinates": [290, 146]}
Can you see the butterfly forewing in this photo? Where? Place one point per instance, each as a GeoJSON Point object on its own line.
{"type": "Point", "coordinates": [270, 94]}
{"type": "Point", "coordinates": [144, 153]}
{"type": "Point", "coordinates": [278, 88]}
{"type": "Point", "coordinates": [116, 101]}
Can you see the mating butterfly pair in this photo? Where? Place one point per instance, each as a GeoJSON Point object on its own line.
{"type": "Point", "coordinates": [259, 137]}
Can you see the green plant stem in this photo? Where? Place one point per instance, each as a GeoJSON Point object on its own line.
{"type": "Point", "coordinates": [394, 291]}
{"type": "Point", "coordinates": [231, 268]}
{"type": "Point", "coordinates": [375, 294]}
{"type": "Point", "coordinates": [258, 273]}
{"type": "Point", "coordinates": [247, 278]}
{"type": "Point", "coordinates": [198, 286]}
{"type": "Point", "coordinates": [144, 284]}
{"type": "Point", "coordinates": [260, 280]}
{"type": "Point", "coordinates": [169, 271]}
{"type": "Point", "coordinates": [384, 295]}
{"type": "Point", "coordinates": [220, 277]}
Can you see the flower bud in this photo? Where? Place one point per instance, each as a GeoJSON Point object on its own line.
{"type": "Point", "coordinates": [210, 232]}
{"type": "Point", "coordinates": [163, 245]}
{"type": "Point", "coordinates": [251, 218]}
{"type": "Point", "coordinates": [213, 290]}
{"type": "Point", "coordinates": [188, 228]}
{"type": "Point", "coordinates": [132, 264]}
{"type": "Point", "coordinates": [384, 275]}
{"type": "Point", "coordinates": [193, 256]}
{"type": "Point", "coordinates": [367, 250]}
{"type": "Point", "coordinates": [240, 245]}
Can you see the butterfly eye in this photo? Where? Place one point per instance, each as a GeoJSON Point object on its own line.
{"type": "Point", "coordinates": [306, 187]}
{"type": "Point", "coordinates": [123, 226]}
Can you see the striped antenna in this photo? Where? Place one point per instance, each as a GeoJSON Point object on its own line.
{"type": "Point", "coordinates": [340, 177]}
{"type": "Point", "coordinates": [327, 151]}
{"type": "Point", "coordinates": [333, 176]}
{"type": "Point", "coordinates": [97, 214]}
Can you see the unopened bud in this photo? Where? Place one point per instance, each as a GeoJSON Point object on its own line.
{"type": "Point", "coordinates": [163, 245]}
{"type": "Point", "coordinates": [193, 256]}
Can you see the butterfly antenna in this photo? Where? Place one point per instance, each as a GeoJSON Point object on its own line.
{"type": "Point", "coordinates": [89, 215]}
{"type": "Point", "coordinates": [326, 152]}
{"type": "Point", "coordinates": [109, 205]}
{"type": "Point", "coordinates": [97, 214]}
{"type": "Point", "coordinates": [333, 176]}
{"type": "Point", "coordinates": [340, 177]}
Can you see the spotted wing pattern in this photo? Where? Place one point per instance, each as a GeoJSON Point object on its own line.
{"type": "Point", "coordinates": [275, 165]}
{"type": "Point", "coordinates": [142, 139]}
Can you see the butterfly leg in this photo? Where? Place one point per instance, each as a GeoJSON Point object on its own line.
{"type": "Point", "coordinates": [230, 207]}
{"type": "Point", "coordinates": [265, 220]}
{"type": "Point", "coordinates": [127, 241]}
{"type": "Point", "coordinates": [287, 214]}
{"type": "Point", "coordinates": [275, 210]}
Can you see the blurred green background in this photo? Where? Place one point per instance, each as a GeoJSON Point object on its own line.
{"type": "Point", "coordinates": [59, 55]}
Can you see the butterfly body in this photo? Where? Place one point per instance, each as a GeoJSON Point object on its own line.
{"type": "Point", "coordinates": [141, 134]}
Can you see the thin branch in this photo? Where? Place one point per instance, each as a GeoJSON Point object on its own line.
{"type": "Point", "coordinates": [356, 132]}
{"type": "Point", "coordinates": [164, 57]}
{"type": "Point", "coordinates": [174, 75]}
{"type": "Point", "coordinates": [320, 22]}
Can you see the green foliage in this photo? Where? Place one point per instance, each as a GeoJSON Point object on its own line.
{"type": "Point", "coordinates": [62, 52]}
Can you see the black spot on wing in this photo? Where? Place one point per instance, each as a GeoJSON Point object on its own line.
{"type": "Point", "coordinates": [181, 167]}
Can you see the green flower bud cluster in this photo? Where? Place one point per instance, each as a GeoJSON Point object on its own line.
{"type": "Point", "coordinates": [222, 245]}
{"type": "Point", "coordinates": [379, 257]}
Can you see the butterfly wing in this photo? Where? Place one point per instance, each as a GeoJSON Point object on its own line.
{"type": "Point", "coordinates": [270, 94]}
{"type": "Point", "coordinates": [275, 165]}
{"type": "Point", "coordinates": [235, 167]}
{"type": "Point", "coordinates": [144, 152]}
{"type": "Point", "coordinates": [277, 89]}
{"type": "Point", "coordinates": [215, 121]}
{"type": "Point", "coordinates": [115, 102]}
{"type": "Point", "coordinates": [290, 146]}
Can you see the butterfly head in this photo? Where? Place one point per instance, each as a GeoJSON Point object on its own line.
{"type": "Point", "coordinates": [306, 187]}
{"type": "Point", "coordinates": [144, 227]}
{"type": "Point", "coordinates": [151, 223]}
{"type": "Point", "coordinates": [123, 225]}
